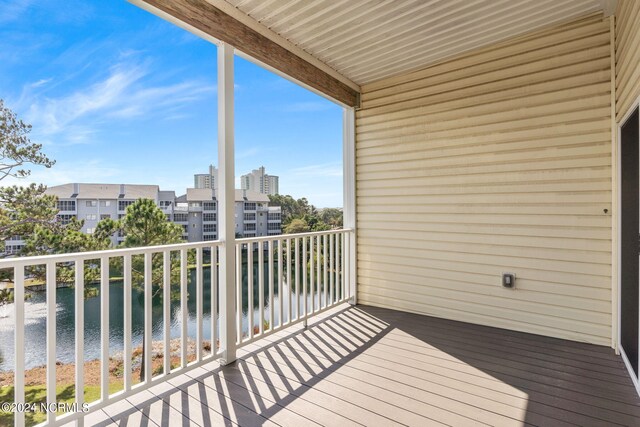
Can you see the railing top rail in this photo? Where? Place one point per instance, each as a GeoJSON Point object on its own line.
{"type": "Point", "coordinates": [83, 256]}
{"type": "Point", "coordinates": [291, 236]}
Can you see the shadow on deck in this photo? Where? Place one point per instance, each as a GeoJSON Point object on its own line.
{"type": "Point", "coordinates": [370, 366]}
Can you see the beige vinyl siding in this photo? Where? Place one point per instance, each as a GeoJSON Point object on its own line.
{"type": "Point", "coordinates": [627, 55]}
{"type": "Point", "coordinates": [496, 161]}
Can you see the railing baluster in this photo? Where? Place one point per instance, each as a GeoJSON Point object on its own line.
{"type": "Point", "coordinates": [214, 301]}
{"type": "Point", "coordinates": [347, 266]}
{"type": "Point", "coordinates": [104, 328]}
{"type": "Point", "coordinates": [311, 274]}
{"type": "Point", "coordinates": [126, 264]}
{"type": "Point", "coordinates": [250, 288]}
{"type": "Point", "coordinates": [324, 271]}
{"type": "Point", "coordinates": [289, 284]}
{"type": "Point", "coordinates": [303, 266]}
{"type": "Point", "coordinates": [271, 277]}
{"type": "Point", "coordinates": [332, 269]}
{"type": "Point", "coordinates": [261, 287]}
{"type": "Point", "coordinates": [166, 310]}
{"type": "Point", "coordinates": [342, 264]}
{"type": "Point", "coordinates": [318, 272]}
{"type": "Point", "coordinates": [148, 290]}
{"type": "Point", "coordinates": [183, 308]}
{"type": "Point", "coordinates": [280, 290]}
{"type": "Point", "coordinates": [18, 379]}
{"type": "Point", "coordinates": [51, 339]}
{"type": "Point", "coordinates": [296, 272]}
{"type": "Point", "coordinates": [79, 335]}
{"type": "Point", "coordinates": [199, 302]}
{"type": "Point", "coordinates": [238, 293]}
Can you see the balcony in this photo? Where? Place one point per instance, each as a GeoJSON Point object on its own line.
{"type": "Point", "coordinates": [370, 366]}
{"type": "Point", "coordinates": [482, 140]}
{"type": "Point", "coordinates": [293, 279]}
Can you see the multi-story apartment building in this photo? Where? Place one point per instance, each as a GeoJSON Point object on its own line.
{"type": "Point", "coordinates": [260, 182]}
{"type": "Point", "coordinates": [196, 211]}
{"type": "Point", "coordinates": [207, 180]}
{"type": "Point", "coordinates": [254, 216]}
{"type": "Point", "coordinates": [94, 202]}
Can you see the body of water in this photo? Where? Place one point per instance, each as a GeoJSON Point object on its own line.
{"type": "Point", "coordinates": [36, 311]}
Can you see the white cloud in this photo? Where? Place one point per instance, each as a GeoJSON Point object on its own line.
{"type": "Point", "coordinates": [40, 82]}
{"type": "Point", "coordinates": [319, 170]}
{"type": "Point", "coordinates": [12, 9]}
{"type": "Point", "coordinates": [123, 94]}
{"type": "Point", "coordinates": [63, 173]}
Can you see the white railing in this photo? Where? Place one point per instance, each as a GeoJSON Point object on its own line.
{"type": "Point", "coordinates": [293, 277]}
{"type": "Point", "coordinates": [296, 276]}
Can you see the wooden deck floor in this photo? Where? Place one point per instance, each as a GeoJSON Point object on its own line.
{"type": "Point", "coordinates": [375, 367]}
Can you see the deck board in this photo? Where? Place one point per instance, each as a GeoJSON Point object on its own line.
{"type": "Point", "coordinates": [371, 366]}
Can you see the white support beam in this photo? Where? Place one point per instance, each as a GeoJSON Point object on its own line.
{"type": "Point", "coordinates": [349, 195]}
{"type": "Point", "coordinates": [226, 203]}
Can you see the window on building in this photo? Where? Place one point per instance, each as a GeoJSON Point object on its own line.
{"type": "Point", "coordinates": [92, 217]}
{"type": "Point", "coordinates": [209, 228]}
{"type": "Point", "coordinates": [209, 217]}
{"type": "Point", "coordinates": [105, 203]}
{"type": "Point", "coordinates": [273, 226]}
{"type": "Point", "coordinates": [250, 227]}
{"type": "Point", "coordinates": [180, 217]}
{"type": "Point", "coordinates": [105, 216]}
{"type": "Point", "coordinates": [165, 203]}
{"type": "Point", "coordinates": [249, 216]}
{"type": "Point", "coordinates": [249, 234]}
{"type": "Point", "coordinates": [123, 204]}
{"type": "Point", "coordinates": [64, 219]}
{"type": "Point", "coordinates": [195, 204]}
{"type": "Point", "coordinates": [185, 229]}
{"type": "Point", "coordinates": [91, 203]}
{"type": "Point", "coordinates": [66, 205]}
{"type": "Point", "coordinates": [208, 237]}
{"type": "Point", "coordinates": [91, 230]}
{"type": "Point", "coordinates": [274, 216]}
{"type": "Point", "coordinates": [249, 206]}
{"type": "Point", "coordinates": [209, 206]}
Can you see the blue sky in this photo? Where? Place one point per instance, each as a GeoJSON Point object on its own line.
{"type": "Point", "coordinates": [116, 95]}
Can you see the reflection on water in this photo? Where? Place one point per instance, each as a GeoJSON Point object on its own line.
{"type": "Point", "coordinates": [35, 319]}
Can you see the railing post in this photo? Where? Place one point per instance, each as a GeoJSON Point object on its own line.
{"type": "Point", "coordinates": [349, 194]}
{"type": "Point", "coordinates": [226, 203]}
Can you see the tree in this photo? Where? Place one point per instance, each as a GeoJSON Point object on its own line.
{"type": "Point", "coordinates": [301, 209]}
{"type": "Point", "coordinates": [16, 149]}
{"type": "Point", "coordinates": [22, 209]}
{"type": "Point", "coordinates": [331, 217]}
{"type": "Point", "coordinates": [291, 208]}
{"type": "Point", "coordinates": [297, 225]}
{"type": "Point", "coordinates": [144, 224]}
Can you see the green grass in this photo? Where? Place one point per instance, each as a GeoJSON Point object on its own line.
{"type": "Point", "coordinates": [38, 394]}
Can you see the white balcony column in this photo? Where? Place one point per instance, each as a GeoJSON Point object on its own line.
{"type": "Point", "coordinates": [226, 203]}
{"type": "Point", "coordinates": [349, 194]}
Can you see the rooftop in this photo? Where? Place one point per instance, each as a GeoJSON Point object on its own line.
{"type": "Point", "coordinates": [103, 191]}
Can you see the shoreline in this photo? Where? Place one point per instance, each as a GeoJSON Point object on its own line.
{"type": "Point", "coordinates": [65, 372]}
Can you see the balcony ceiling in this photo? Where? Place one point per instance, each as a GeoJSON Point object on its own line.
{"type": "Point", "coordinates": [369, 40]}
